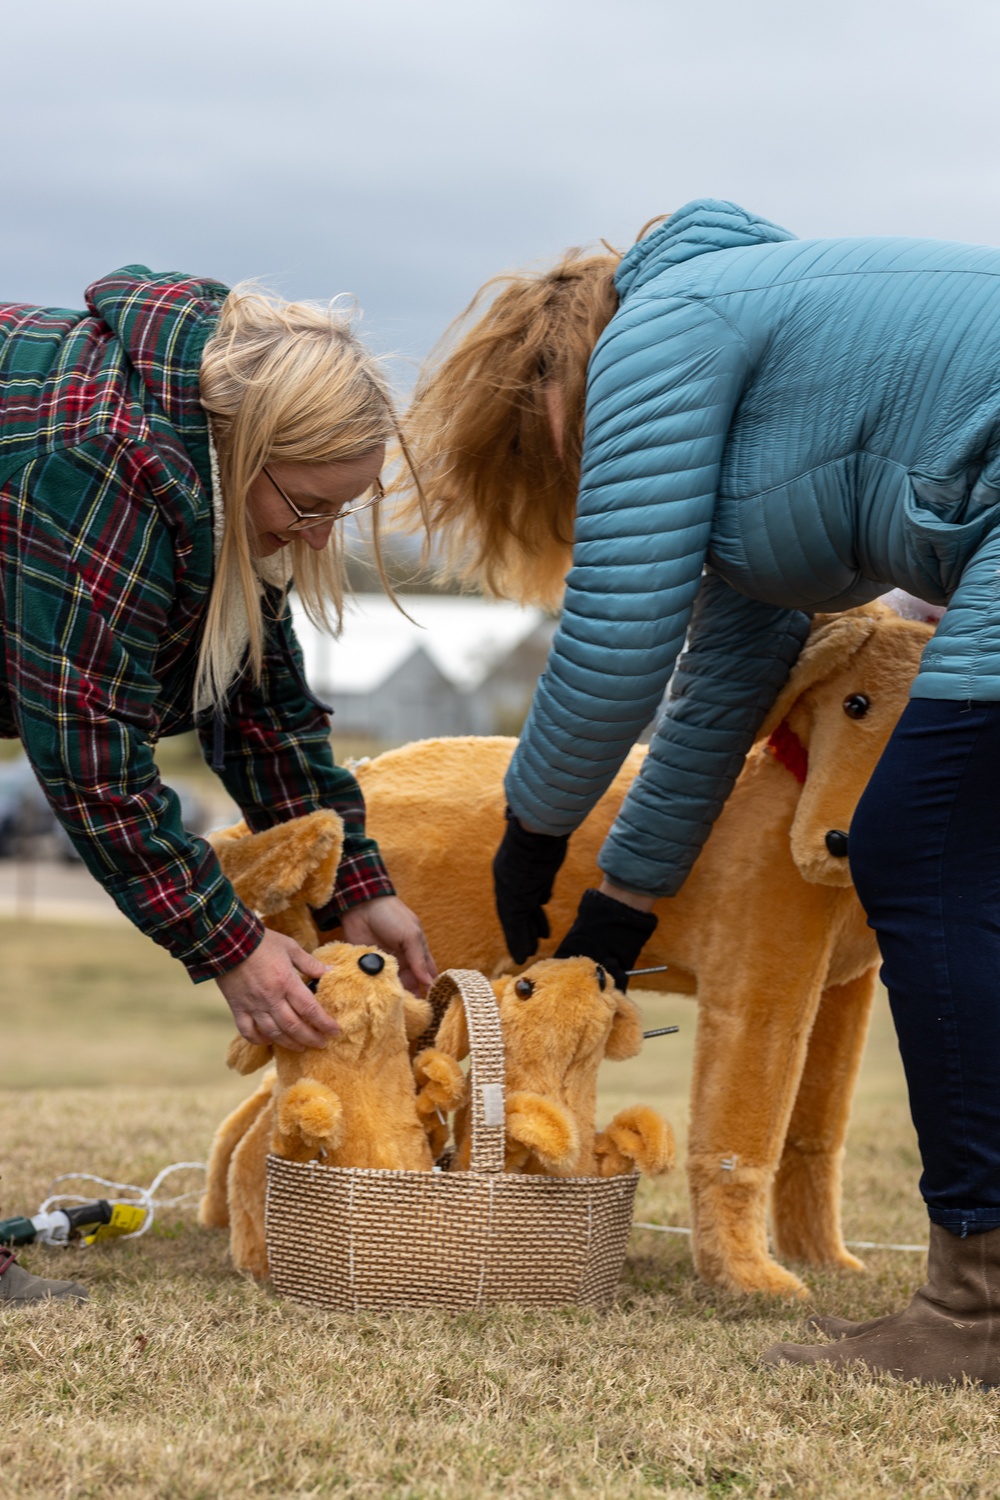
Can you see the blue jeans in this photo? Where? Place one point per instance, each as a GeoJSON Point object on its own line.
{"type": "Point", "coordinates": [925, 858]}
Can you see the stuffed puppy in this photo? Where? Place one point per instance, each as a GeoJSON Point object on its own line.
{"type": "Point", "coordinates": [559, 1019]}
{"type": "Point", "coordinates": [284, 871]}
{"type": "Point", "coordinates": [351, 1103]}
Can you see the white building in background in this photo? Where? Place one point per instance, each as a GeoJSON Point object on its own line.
{"type": "Point", "coordinates": [463, 666]}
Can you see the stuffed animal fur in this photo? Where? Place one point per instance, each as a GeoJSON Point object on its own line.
{"type": "Point", "coordinates": [284, 871]}
{"type": "Point", "coordinates": [767, 930]}
{"type": "Point", "coordinates": [559, 1019]}
{"type": "Point", "coordinates": [351, 1103]}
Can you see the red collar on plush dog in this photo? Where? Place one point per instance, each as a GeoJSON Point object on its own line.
{"type": "Point", "coordinates": [789, 751]}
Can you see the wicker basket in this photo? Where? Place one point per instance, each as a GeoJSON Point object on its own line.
{"type": "Point", "coordinates": [348, 1239]}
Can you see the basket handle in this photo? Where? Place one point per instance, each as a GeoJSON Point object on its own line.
{"type": "Point", "coordinates": [486, 1076]}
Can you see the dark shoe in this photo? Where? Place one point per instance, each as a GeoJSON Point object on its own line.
{"type": "Point", "coordinates": [949, 1332]}
{"type": "Point", "coordinates": [18, 1287]}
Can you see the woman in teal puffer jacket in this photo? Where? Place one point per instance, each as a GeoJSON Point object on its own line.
{"type": "Point", "coordinates": [721, 433]}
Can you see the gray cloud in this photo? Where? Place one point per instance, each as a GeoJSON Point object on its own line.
{"type": "Point", "coordinates": [406, 151]}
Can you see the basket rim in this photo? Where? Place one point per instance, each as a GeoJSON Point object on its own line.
{"type": "Point", "coordinates": [520, 1178]}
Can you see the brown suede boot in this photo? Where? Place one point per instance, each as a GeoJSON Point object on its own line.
{"type": "Point", "coordinates": [843, 1328]}
{"type": "Point", "coordinates": [950, 1331]}
{"type": "Point", "coordinates": [18, 1287]}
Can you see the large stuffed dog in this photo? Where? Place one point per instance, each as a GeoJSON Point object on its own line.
{"type": "Point", "coordinates": [767, 931]}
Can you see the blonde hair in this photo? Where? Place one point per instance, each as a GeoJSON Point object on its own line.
{"type": "Point", "coordinates": [283, 382]}
{"type": "Point", "coordinates": [500, 500]}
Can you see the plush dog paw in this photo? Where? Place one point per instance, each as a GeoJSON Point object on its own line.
{"type": "Point", "coordinates": [310, 1119]}
{"type": "Point", "coordinates": [638, 1139]}
{"type": "Point", "coordinates": [440, 1081]}
{"type": "Point", "coordinates": [441, 1088]}
{"type": "Point", "coordinates": [545, 1128]}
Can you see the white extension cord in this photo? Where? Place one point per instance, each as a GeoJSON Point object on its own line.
{"type": "Point", "coordinates": [127, 1193]}
{"type": "Point", "coordinates": [851, 1244]}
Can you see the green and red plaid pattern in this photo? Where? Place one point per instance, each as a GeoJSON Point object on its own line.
{"type": "Point", "coordinates": [106, 565]}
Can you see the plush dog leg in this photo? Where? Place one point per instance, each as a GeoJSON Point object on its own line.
{"type": "Point", "coordinates": [637, 1139]}
{"type": "Point", "coordinates": [806, 1199]}
{"type": "Point", "coordinates": [749, 1055]}
{"type": "Point", "coordinates": [247, 1190]}
{"type": "Point", "coordinates": [310, 1119]}
{"type": "Point", "coordinates": [441, 1088]}
{"type": "Point", "coordinates": [544, 1129]}
{"type": "Point", "coordinates": [213, 1211]}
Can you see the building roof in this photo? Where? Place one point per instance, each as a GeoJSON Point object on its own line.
{"type": "Point", "coordinates": [464, 637]}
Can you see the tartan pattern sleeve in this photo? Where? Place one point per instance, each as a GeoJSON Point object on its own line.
{"type": "Point", "coordinates": [278, 764]}
{"type": "Point", "coordinates": [88, 584]}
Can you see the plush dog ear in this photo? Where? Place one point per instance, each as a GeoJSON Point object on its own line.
{"type": "Point", "coordinates": [246, 1057]}
{"type": "Point", "coordinates": [453, 1033]}
{"type": "Point", "coordinates": [833, 641]}
{"type": "Point", "coordinates": [625, 1038]}
{"type": "Point", "coordinates": [327, 836]}
{"type": "Point", "coordinates": [417, 1016]}
{"type": "Point", "coordinates": [294, 860]}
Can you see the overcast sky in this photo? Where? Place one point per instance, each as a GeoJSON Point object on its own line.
{"type": "Point", "coordinates": [405, 150]}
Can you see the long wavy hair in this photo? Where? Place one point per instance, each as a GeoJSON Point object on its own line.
{"type": "Point", "coordinates": [499, 498]}
{"type": "Point", "coordinates": [283, 382]}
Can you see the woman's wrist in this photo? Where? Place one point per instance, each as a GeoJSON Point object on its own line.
{"type": "Point", "coordinates": [638, 900]}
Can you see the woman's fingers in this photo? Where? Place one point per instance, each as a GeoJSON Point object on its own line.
{"type": "Point", "coordinates": [389, 924]}
{"type": "Point", "coordinates": [306, 963]}
{"type": "Point", "coordinates": [416, 960]}
{"type": "Point", "coordinates": [269, 1000]}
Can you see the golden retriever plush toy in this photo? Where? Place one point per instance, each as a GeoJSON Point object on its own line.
{"type": "Point", "coordinates": [559, 1019]}
{"type": "Point", "coordinates": [351, 1103]}
{"type": "Point", "coordinates": [767, 931]}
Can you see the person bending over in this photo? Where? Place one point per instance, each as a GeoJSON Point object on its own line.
{"type": "Point", "coordinates": [708, 439]}
{"type": "Point", "coordinates": [172, 459]}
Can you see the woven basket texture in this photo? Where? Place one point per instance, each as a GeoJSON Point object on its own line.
{"type": "Point", "coordinates": [348, 1239]}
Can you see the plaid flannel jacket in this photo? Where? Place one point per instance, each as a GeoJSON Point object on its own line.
{"type": "Point", "coordinates": [106, 562]}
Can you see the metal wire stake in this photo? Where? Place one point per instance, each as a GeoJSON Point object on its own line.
{"type": "Point", "coordinates": [657, 969]}
{"type": "Point", "coordinates": [661, 1031]}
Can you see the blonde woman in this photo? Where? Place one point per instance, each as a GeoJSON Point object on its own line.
{"type": "Point", "coordinates": [717, 434]}
{"type": "Point", "coordinates": [170, 459]}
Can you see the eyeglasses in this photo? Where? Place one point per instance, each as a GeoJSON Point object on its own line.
{"type": "Point", "coordinates": [304, 519]}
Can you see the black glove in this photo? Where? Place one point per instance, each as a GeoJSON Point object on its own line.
{"type": "Point", "coordinates": [524, 870]}
{"type": "Point", "coordinates": [610, 933]}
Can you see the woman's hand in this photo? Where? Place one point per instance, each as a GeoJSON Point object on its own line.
{"type": "Point", "coordinates": [612, 930]}
{"type": "Point", "coordinates": [389, 924]}
{"type": "Point", "coordinates": [269, 1001]}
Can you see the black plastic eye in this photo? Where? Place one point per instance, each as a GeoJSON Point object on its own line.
{"type": "Point", "coordinates": [311, 984]}
{"type": "Point", "coordinates": [856, 705]}
{"type": "Point", "coordinates": [602, 979]}
{"type": "Point", "coordinates": [524, 988]}
{"type": "Point", "coordinates": [371, 963]}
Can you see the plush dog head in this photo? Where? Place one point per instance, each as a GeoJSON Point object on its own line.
{"type": "Point", "coordinates": [361, 990]}
{"type": "Point", "coordinates": [557, 1013]}
{"type": "Point", "coordinates": [831, 721]}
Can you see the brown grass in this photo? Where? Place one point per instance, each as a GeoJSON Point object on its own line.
{"type": "Point", "coordinates": [179, 1379]}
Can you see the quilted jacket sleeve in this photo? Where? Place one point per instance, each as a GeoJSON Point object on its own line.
{"type": "Point", "coordinates": [738, 655]}
{"type": "Point", "coordinates": [663, 384]}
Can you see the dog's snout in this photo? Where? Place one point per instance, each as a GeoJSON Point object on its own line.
{"type": "Point", "coordinates": [836, 843]}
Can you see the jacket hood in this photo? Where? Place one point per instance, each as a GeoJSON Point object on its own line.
{"type": "Point", "coordinates": [163, 322]}
{"type": "Point", "coordinates": [703, 225]}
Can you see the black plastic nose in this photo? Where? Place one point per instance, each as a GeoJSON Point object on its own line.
{"type": "Point", "coordinates": [371, 963]}
{"type": "Point", "coordinates": [836, 842]}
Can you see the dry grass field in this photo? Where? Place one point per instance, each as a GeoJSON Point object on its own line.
{"type": "Point", "coordinates": [179, 1379]}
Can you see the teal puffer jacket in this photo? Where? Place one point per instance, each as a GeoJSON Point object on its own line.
{"type": "Point", "coordinates": [774, 426]}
